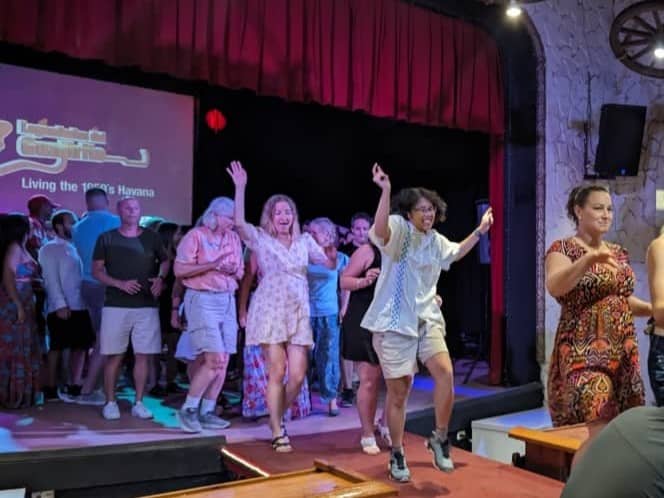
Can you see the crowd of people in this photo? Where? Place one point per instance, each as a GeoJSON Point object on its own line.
{"type": "Point", "coordinates": [316, 305]}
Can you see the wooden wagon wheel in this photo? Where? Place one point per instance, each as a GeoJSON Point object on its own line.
{"type": "Point", "coordinates": [635, 33]}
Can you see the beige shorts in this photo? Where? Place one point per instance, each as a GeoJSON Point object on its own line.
{"type": "Point", "coordinates": [118, 325]}
{"type": "Point", "coordinates": [398, 353]}
{"type": "Point", "coordinates": [211, 321]}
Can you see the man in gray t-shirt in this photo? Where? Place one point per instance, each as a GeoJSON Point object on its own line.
{"type": "Point", "coordinates": [131, 263]}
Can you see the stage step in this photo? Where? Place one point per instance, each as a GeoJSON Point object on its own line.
{"type": "Point", "coordinates": [116, 470]}
{"type": "Point", "coordinates": [490, 435]}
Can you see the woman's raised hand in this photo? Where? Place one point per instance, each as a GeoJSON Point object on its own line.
{"type": "Point", "coordinates": [237, 173]}
{"type": "Point", "coordinates": [487, 220]}
{"type": "Point", "coordinates": [379, 177]}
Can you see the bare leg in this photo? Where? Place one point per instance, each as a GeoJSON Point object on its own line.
{"type": "Point", "coordinates": [76, 363]}
{"type": "Point", "coordinates": [275, 357]}
{"type": "Point", "coordinates": [214, 388]}
{"type": "Point", "coordinates": [395, 407]}
{"type": "Point", "coordinates": [347, 370]}
{"type": "Point", "coordinates": [440, 368]}
{"type": "Point", "coordinates": [95, 367]}
{"type": "Point", "coordinates": [367, 396]}
{"type": "Point", "coordinates": [297, 369]}
{"type": "Point", "coordinates": [205, 372]}
{"type": "Point", "coordinates": [141, 363]}
{"type": "Point", "coordinates": [193, 366]}
{"type": "Point", "coordinates": [111, 372]}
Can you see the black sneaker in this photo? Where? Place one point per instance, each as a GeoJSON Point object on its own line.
{"type": "Point", "coordinates": [174, 388]}
{"type": "Point", "coordinates": [72, 390]}
{"type": "Point", "coordinates": [158, 392]}
{"type": "Point", "coordinates": [346, 399]}
{"type": "Point", "coordinates": [51, 394]}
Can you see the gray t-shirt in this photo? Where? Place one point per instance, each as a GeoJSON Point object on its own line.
{"type": "Point", "coordinates": [130, 258]}
{"type": "Point", "coordinates": [625, 460]}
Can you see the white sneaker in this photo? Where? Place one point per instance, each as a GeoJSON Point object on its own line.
{"type": "Point", "coordinates": [111, 411]}
{"type": "Point", "coordinates": [140, 410]}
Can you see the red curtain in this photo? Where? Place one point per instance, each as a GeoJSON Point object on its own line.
{"type": "Point", "coordinates": [385, 57]}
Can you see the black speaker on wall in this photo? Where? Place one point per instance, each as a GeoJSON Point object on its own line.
{"type": "Point", "coordinates": [620, 138]}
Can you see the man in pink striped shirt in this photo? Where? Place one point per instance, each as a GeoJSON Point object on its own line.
{"type": "Point", "coordinates": [209, 261]}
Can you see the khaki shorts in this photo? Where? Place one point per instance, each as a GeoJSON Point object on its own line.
{"type": "Point", "coordinates": [211, 321]}
{"type": "Point", "coordinates": [118, 325]}
{"type": "Point", "coordinates": [398, 353]}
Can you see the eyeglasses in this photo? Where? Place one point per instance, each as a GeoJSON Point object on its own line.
{"type": "Point", "coordinates": [425, 209]}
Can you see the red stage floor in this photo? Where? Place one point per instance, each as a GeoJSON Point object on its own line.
{"type": "Point", "coordinates": [474, 477]}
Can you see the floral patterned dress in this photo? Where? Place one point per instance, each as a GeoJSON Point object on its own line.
{"type": "Point", "coordinates": [279, 309]}
{"type": "Point", "coordinates": [20, 344]}
{"type": "Point", "coordinates": [594, 372]}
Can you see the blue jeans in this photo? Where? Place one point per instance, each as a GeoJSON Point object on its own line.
{"type": "Point", "coordinates": [326, 353]}
{"type": "Point", "coordinates": [656, 367]}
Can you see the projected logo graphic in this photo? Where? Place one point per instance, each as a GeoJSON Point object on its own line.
{"type": "Point", "coordinates": [59, 145]}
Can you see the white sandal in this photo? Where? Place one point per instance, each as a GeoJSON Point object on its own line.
{"type": "Point", "coordinates": [369, 445]}
{"type": "Point", "coordinates": [384, 433]}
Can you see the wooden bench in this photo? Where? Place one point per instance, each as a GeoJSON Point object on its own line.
{"type": "Point", "coordinates": [323, 480]}
{"type": "Point", "coordinates": [549, 452]}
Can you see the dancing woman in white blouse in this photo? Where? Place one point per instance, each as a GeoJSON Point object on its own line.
{"type": "Point", "coordinates": [404, 317]}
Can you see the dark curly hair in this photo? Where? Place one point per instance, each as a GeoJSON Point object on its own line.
{"type": "Point", "coordinates": [406, 200]}
{"type": "Point", "coordinates": [579, 196]}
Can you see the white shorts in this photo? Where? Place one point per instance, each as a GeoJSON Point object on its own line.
{"type": "Point", "coordinates": [398, 353]}
{"type": "Point", "coordinates": [183, 350]}
{"type": "Point", "coordinates": [211, 321]}
{"type": "Point", "coordinates": [118, 325]}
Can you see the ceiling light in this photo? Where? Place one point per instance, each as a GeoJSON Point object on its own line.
{"type": "Point", "coordinates": [513, 9]}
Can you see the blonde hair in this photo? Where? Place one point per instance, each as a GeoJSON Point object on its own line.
{"type": "Point", "coordinates": [268, 210]}
{"type": "Point", "coordinates": [222, 206]}
{"type": "Point", "coordinates": [328, 226]}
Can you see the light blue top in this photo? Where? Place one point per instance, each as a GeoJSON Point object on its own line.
{"type": "Point", "coordinates": [86, 232]}
{"type": "Point", "coordinates": [324, 287]}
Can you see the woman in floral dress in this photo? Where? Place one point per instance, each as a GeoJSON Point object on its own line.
{"type": "Point", "coordinates": [254, 381]}
{"type": "Point", "coordinates": [20, 350]}
{"type": "Point", "coordinates": [594, 373]}
{"type": "Point", "coordinates": [278, 317]}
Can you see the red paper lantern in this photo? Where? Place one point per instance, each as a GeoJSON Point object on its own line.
{"type": "Point", "coordinates": [215, 120]}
